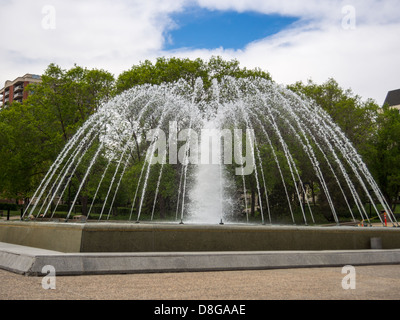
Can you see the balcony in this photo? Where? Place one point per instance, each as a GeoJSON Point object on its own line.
{"type": "Point", "coordinates": [19, 88]}
{"type": "Point", "coordinates": [18, 95]}
{"type": "Point", "coordinates": [7, 93]}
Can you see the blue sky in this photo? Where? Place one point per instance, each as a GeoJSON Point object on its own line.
{"type": "Point", "coordinates": [200, 28]}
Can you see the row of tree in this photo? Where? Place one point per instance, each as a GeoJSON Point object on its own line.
{"type": "Point", "coordinates": [33, 133]}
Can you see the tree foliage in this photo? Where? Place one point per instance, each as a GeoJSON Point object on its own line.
{"type": "Point", "coordinates": [384, 154]}
{"type": "Point", "coordinates": [355, 117]}
{"type": "Point", "coordinates": [373, 130]}
{"type": "Point", "coordinates": [173, 69]}
{"type": "Point", "coordinates": [33, 133]}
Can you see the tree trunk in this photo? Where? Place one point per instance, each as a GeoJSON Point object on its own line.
{"type": "Point", "coordinates": [84, 202]}
{"type": "Point", "coordinates": [162, 207]}
{"type": "Point", "coordinates": [312, 193]}
{"type": "Point", "coordinates": [395, 200]}
{"type": "Point", "coordinates": [253, 202]}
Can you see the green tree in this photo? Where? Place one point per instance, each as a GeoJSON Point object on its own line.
{"type": "Point", "coordinates": [384, 154]}
{"type": "Point", "coordinates": [25, 151]}
{"type": "Point", "coordinates": [164, 70]}
{"type": "Point", "coordinates": [33, 133]}
{"type": "Point", "coordinates": [173, 69]}
{"type": "Point", "coordinates": [218, 68]}
{"type": "Point", "coordinates": [355, 117]}
{"type": "Point", "coordinates": [66, 98]}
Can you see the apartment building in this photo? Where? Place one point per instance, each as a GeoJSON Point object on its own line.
{"type": "Point", "coordinates": [14, 91]}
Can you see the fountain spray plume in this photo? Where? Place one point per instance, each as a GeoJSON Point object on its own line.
{"type": "Point", "coordinates": [284, 135]}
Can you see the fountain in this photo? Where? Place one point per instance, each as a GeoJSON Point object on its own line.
{"type": "Point", "coordinates": [210, 148]}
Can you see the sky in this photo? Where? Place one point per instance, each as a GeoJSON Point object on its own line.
{"type": "Point", "coordinates": [356, 42]}
{"type": "Point", "coordinates": [201, 28]}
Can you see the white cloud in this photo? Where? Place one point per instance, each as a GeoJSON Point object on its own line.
{"type": "Point", "coordinates": [94, 33]}
{"type": "Point", "coordinates": [363, 58]}
{"type": "Point", "coordinates": [114, 35]}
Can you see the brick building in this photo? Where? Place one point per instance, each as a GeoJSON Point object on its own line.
{"type": "Point", "coordinates": [14, 91]}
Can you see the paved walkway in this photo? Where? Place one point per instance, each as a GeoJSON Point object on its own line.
{"type": "Point", "coordinates": [372, 283]}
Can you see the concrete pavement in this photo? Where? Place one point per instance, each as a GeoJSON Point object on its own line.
{"type": "Point", "coordinates": [372, 283]}
{"type": "Point", "coordinates": [279, 275]}
{"type": "Point", "coordinates": [30, 261]}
